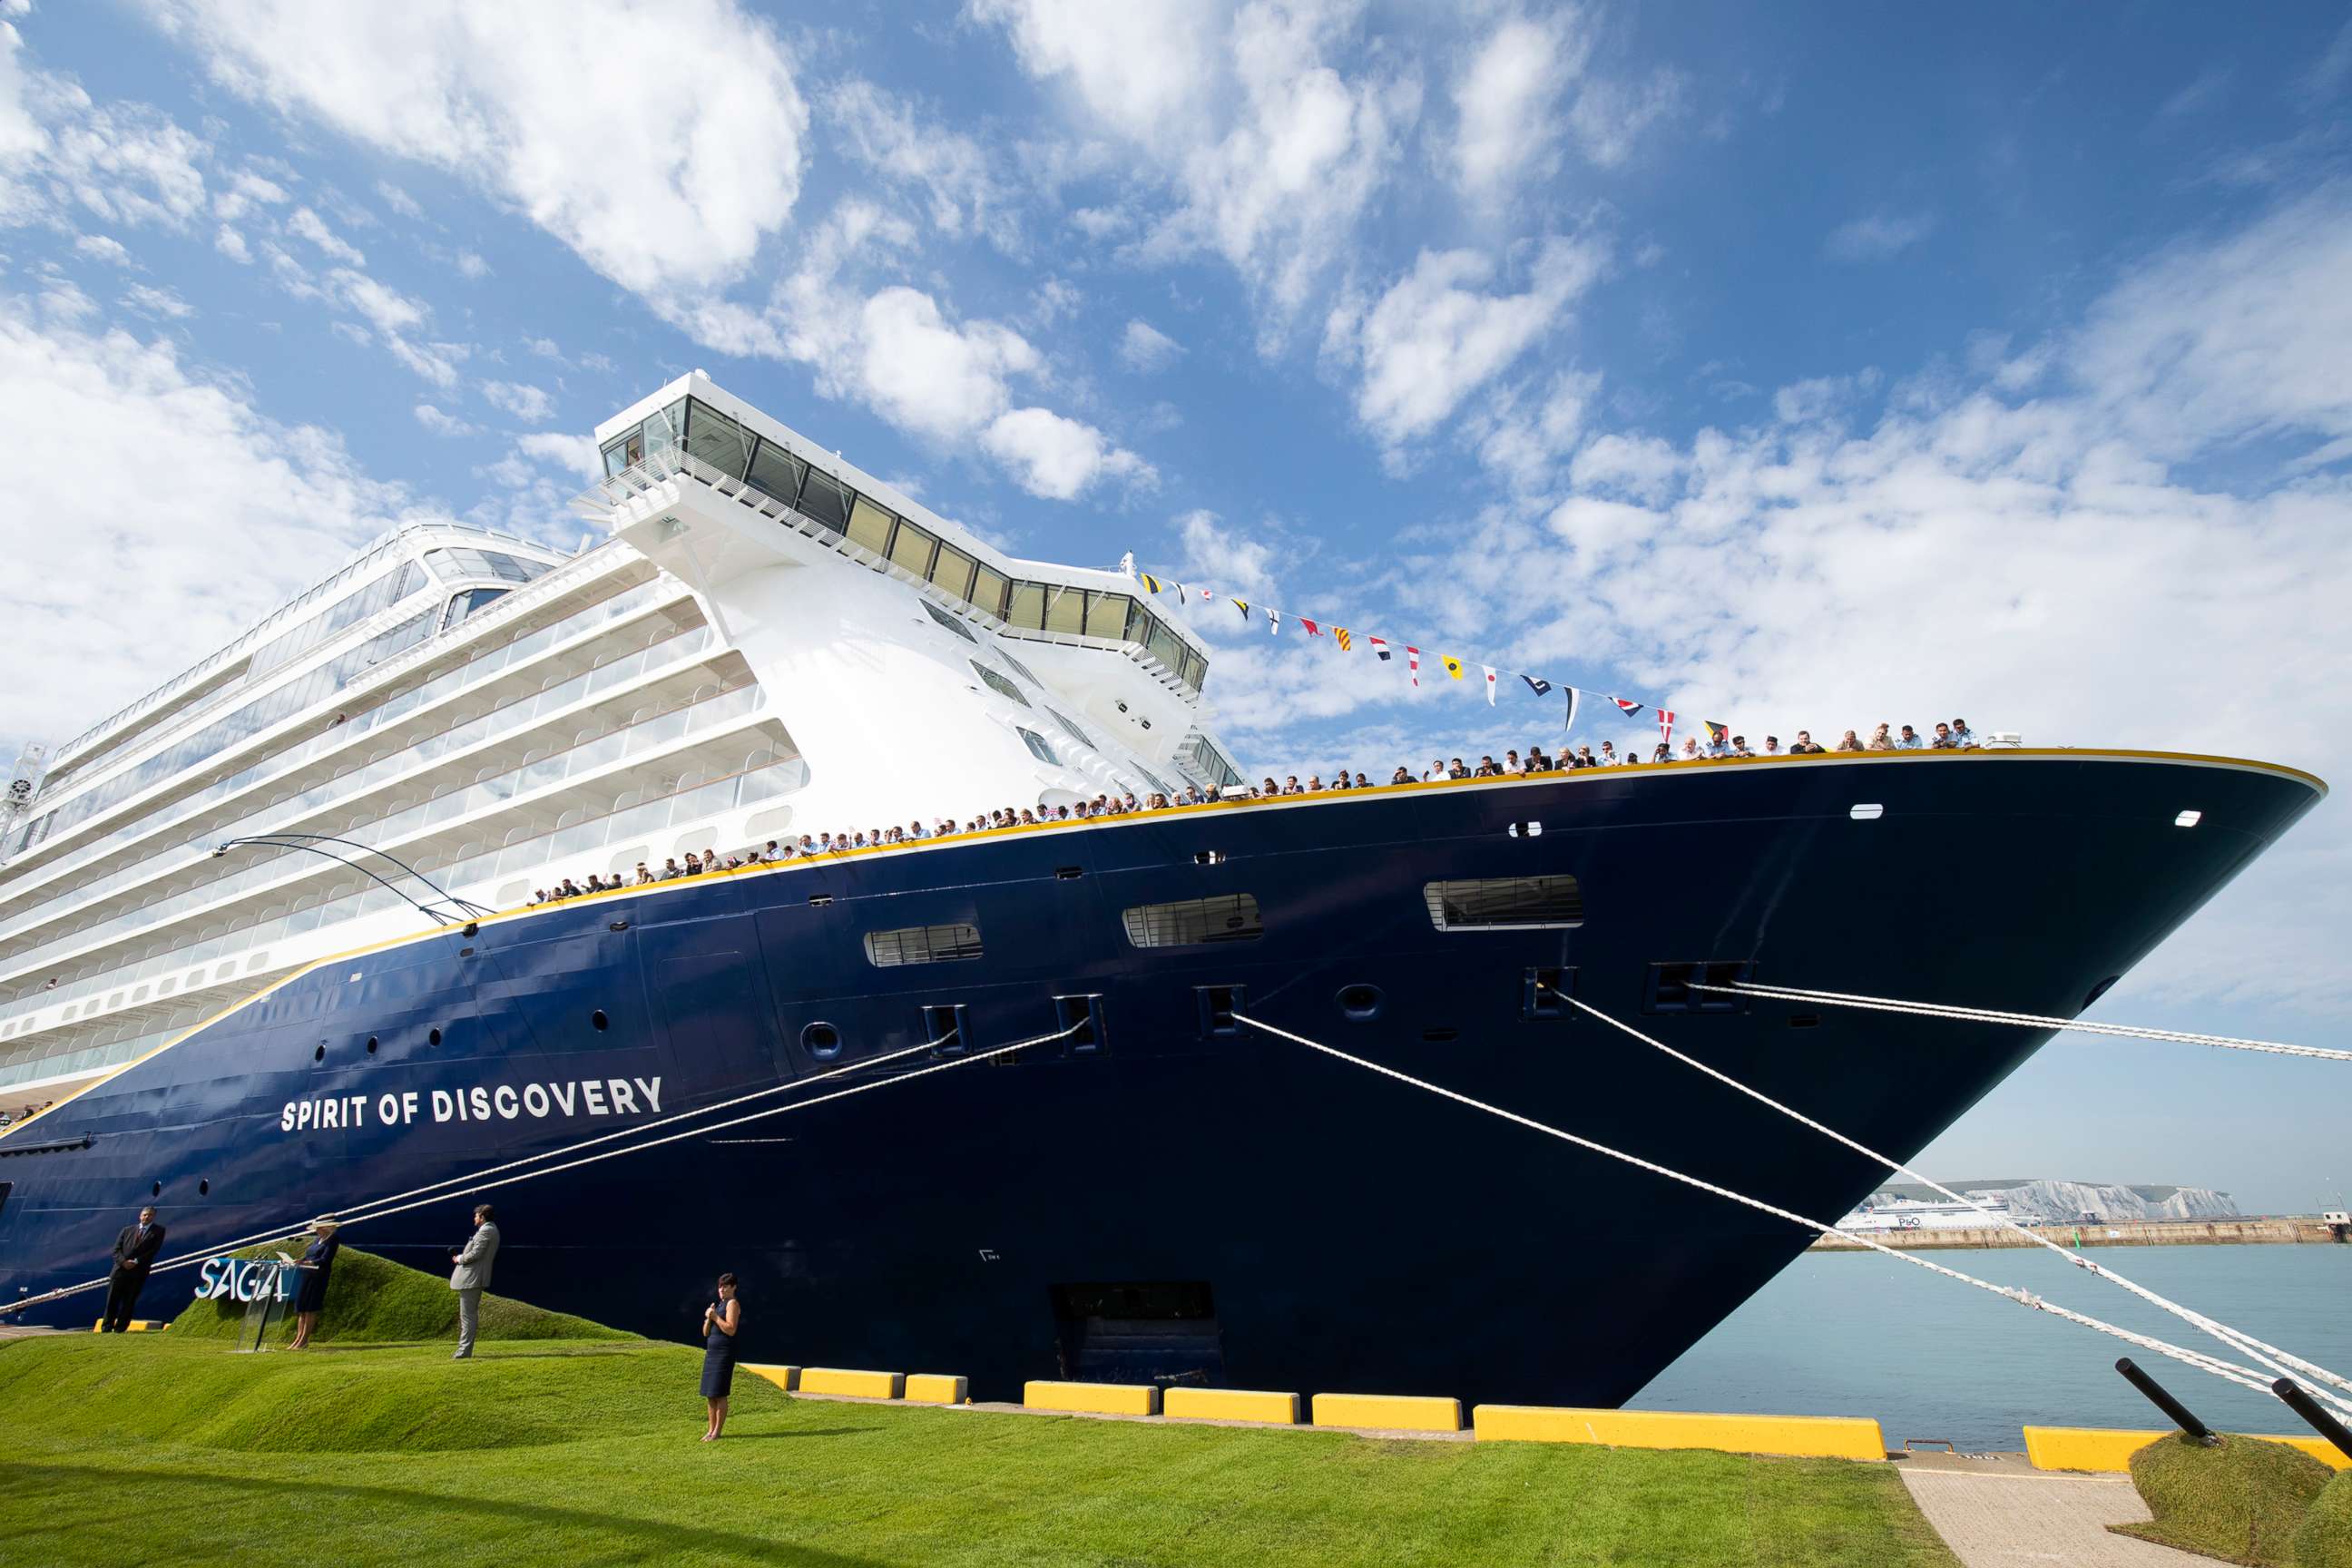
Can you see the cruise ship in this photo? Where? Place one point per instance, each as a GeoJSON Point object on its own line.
{"type": "Point", "coordinates": [269, 948]}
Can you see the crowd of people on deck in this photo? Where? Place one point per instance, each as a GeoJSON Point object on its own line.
{"type": "Point", "coordinates": [8, 1116]}
{"type": "Point", "coordinates": [1955, 736]}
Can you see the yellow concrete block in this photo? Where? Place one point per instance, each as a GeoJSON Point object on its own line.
{"type": "Point", "coordinates": [856, 1385]}
{"type": "Point", "coordinates": [934, 1388]}
{"type": "Point", "coordinates": [1395, 1411]}
{"type": "Point", "coordinates": [784, 1377]}
{"type": "Point", "coordinates": [2106, 1448]}
{"type": "Point", "coordinates": [1230, 1405]}
{"type": "Point", "coordinates": [1797, 1436]}
{"type": "Point", "coordinates": [136, 1326]}
{"type": "Point", "coordinates": [1092, 1398]}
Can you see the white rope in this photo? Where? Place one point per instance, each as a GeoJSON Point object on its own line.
{"type": "Point", "coordinates": [2269, 1355]}
{"type": "Point", "coordinates": [2023, 1020]}
{"type": "Point", "coordinates": [374, 1208]}
{"type": "Point", "coordinates": [2245, 1377]}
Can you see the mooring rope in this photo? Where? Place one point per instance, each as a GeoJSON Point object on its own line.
{"type": "Point", "coordinates": [374, 1209]}
{"type": "Point", "coordinates": [2244, 1376]}
{"type": "Point", "coordinates": [2023, 1020]}
{"type": "Point", "coordinates": [2271, 1356]}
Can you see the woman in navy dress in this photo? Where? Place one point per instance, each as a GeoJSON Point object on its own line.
{"type": "Point", "coordinates": [720, 1320]}
{"type": "Point", "coordinates": [316, 1265]}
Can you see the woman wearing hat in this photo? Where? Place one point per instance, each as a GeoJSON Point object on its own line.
{"type": "Point", "coordinates": [316, 1265]}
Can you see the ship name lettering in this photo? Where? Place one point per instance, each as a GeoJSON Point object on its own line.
{"type": "Point", "coordinates": [477, 1102]}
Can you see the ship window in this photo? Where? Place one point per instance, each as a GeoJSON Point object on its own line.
{"type": "Point", "coordinates": [1019, 668]}
{"type": "Point", "coordinates": [1107, 614]}
{"type": "Point", "coordinates": [777, 471]}
{"type": "Point", "coordinates": [869, 525]}
{"type": "Point", "coordinates": [717, 439]}
{"type": "Point", "coordinates": [950, 622]}
{"type": "Point", "coordinates": [921, 944]}
{"type": "Point", "coordinates": [822, 1041]}
{"type": "Point", "coordinates": [1028, 607]}
{"type": "Point", "coordinates": [825, 500]}
{"type": "Point", "coordinates": [1080, 736]}
{"type": "Point", "coordinates": [1191, 922]}
{"type": "Point", "coordinates": [952, 572]}
{"type": "Point", "coordinates": [998, 684]}
{"type": "Point", "coordinates": [1505, 903]}
{"type": "Point", "coordinates": [911, 547]}
{"type": "Point", "coordinates": [1038, 746]}
{"type": "Point", "coordinates": [1065, 611]}
{"type": "Point", "coordinates": [988, 587]}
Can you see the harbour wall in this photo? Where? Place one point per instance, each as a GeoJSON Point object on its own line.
{"type": "Point", "coordinates": [2122, 1233]}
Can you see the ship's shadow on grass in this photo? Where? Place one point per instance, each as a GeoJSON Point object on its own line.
{"type": "Point", "coordinates": [668, 1542]}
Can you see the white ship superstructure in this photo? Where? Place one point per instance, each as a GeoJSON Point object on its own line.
{"type": "Point", "coordinates": [773, 643]}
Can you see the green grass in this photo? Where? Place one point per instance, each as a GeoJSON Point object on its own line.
{"type": "Point", "coordinates": [373, 1300]}
{"type": "Point", "coordinates": [2242, 1501]}
{"type": "Point", "coordinates": [160, 1448]}
{"type": "Point", "coordinates": [2324, 1539]}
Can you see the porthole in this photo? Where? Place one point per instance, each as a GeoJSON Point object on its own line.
{"type": "Point", "coordinates": [2188, 819]}
{"type": "Point", "coordinates": [156, 1189]}
{"type": "Point", "coordinates": [433, 1037]}
{"type": "Point", "coordinates": [204, 1188]}
{"type": "Point", "coordinates": [319, 1053]}
{"type": "Point", "coordinates": [1359, 1004]}
{"type": "Point", "coordinates": [822, 1041]}
{"type": "Point", "coordinates": [597, 1021]}
{"type": "Point", "coordinates": [1867, 812]}
{"type": "Point", "coordinates": [371, 1045]}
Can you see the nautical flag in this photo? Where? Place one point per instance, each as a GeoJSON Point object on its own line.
{"type": "Point", "coordinates": [1243, 605]}
{"type": "Point", "coordinates": [1628, 709]}
{"type": "Point", "coordinates": [1346, 644]}
{"type": "Point", "coordinates": [1537, 684]}
{"type": "Point", "coordinates": [1379, 645]}
{"type": "Point", "coordinates": [1273, 623]}
{"type": "Point", "coordinates": [1570, 723]}
{"type": "Point", "coordinates": [1312, 629]}
{"type": "Point", "coordinates": [1150, 584]}
{"type": "Point", "coordinates": [1718, 733]}
{"type": "Point", "coordinates": [1207, 594]}
{"type": "Point", "coordinates": [1666, 725]}
{"type": "Point", "coordinates": [1452, 665]}
{"type": "Point", "coordinates": [1490, 683]}
{"type": "Point", "coordinates": [1413, 658]}
{"type": "Point", "coordinates": [1182, 593]}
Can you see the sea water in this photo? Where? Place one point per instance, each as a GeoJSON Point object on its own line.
{"type": "Point", "coordinates": [1858, 1333]}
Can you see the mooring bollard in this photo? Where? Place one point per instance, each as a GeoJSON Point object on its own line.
{"type": "Point", "coordinates": [2174, 1411]}
{"type": "Point", "coordinates": [2321, 1421]}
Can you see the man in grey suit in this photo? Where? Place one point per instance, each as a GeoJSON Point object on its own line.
{"type": "Point", "coordinates": [471, 1276]}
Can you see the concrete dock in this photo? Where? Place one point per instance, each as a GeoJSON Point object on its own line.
{"type": "Point", "coordinates": [2269, 1231]}
{"type": "Point", "coordinates": [1995, 1511]}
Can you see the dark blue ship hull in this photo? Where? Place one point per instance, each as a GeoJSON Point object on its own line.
{"type": "Point", "coordinates": [1178, 1203]}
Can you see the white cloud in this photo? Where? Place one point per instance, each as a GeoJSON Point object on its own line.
{"type": "Point", "coordinates": [442, 424]}
{"type": "Point", "coordinates": [952, 171]}
{"type": "Point", "coordinates": [124, 570]}
{"type": "Point", "coordinates": [1144, 348]}
{"type": "Point", "coordinates": [21, 135]}
{"type": "Point", "coordinates": [1609, 116]}
{"type": "Point", "coordinates": [670, 181]}
{"type": "Point", "coordinates": [310, 226]}
{"type": "Point", "coordinates": [1522, 433]}
{"type": "Point", "coordinates": [100, 247]}
{"type": "Point", "coordinates": [127, 164]}
{"type": "Point", "coordinates": [232, 244]}
{"type": "Point", "coordinates": [399, 201]}
{"type": "Point", "coordinates": [472, 265]}
{"type": "Point", "coordinates": [1641, 467]}
{"type": "Point", "coordinates": [926, 374]}
{"type": "Point", "coordinates": [1143, 65]}
{"type": "Point", "coordinates": [152, 302]}
{"type": "Point", "coordinates": [529, 404]}
{"type": "Point", "coordinates": [1435, 335]}
{"type": "Point", "coordinates": [1874, 237]}
{"type": "Point", "coordinates": [576, 454]}
{"type": "Point", "coordinates": [1507, 97]}
{"type": "Point", "coordinates": [1058, 457]}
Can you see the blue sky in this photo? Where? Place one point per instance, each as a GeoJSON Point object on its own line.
{"type": "Point", "coordinates": [1811, 368]}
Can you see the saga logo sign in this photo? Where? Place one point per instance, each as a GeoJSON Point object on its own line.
{"type": "Point", "coordinates": [243, 1280]}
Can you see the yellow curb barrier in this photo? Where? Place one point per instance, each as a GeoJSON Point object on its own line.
{"type": "Point", "coordinates": [1794, 1437]}
{"type": "Point", "coordinates": [1394, 1412]}
{"type": "Point", "coordinates": [1092, 1398]}
{"type": "Point", "coordinates": [2109, 1449]}
{"type": "Point", "coordinates": [934, 1388]}
{"type": "Point", "coordinates": [1230, 1405]}
{"type": "Point", "coordinates": [856, 1385]}
{"type": "Point", "coordinates": [787, 1378]}
{"type": "Point", "coordinates": [136, 1325]}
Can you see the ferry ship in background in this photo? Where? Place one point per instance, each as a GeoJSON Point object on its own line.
{"type": "Point", "coordinates": [773, 643]}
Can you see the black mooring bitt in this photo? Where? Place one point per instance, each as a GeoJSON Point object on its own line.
{"type": "Point", "coordinates": [2174, 1411]}
{"type": "Point", "coordinates": [2321, 1421]}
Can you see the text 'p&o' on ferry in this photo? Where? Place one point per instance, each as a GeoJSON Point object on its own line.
{"type": "Point", "coordinates": [267, 942]}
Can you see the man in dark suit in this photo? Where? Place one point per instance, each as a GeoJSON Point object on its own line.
{"type": "Point", "coordinates": [134, 1255]}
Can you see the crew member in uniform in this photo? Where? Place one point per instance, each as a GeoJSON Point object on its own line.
{"type": "Point", "coordinates": [134, 1255]}
{"type": "Point", "coordinates": [471, 1276]}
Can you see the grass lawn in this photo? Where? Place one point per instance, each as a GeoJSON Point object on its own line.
{"type": "Point", "coordinates": [162, 1450]}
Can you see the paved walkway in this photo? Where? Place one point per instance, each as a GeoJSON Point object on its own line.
{"type": "Point", "coordinates": [1997, 1511]}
